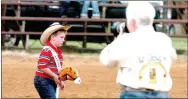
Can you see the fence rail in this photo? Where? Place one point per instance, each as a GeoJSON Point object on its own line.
{"type": "Point", "coordinates": [78, 34]}
{"type": "Point", "coordinates": [69, 33]}
{"type": "Point", "coordinates": [85, 20]}
{"type": "Point", "coordinates": [84, 34]}
{"type": "Point", "coordinates": [102, 5]}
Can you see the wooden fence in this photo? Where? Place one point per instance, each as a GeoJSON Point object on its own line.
{"type": "Point", "coordinates": [85, 34]}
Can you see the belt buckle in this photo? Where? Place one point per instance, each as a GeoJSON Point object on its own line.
{"type": "Point", "coordinates": [146, 89]}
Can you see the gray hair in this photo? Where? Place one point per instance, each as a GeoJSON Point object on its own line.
{"type": "Point", "coordinates": [142, 11]}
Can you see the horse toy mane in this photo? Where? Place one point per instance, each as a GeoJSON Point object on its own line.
{"type": "Point", "coordinates": [69, 73]}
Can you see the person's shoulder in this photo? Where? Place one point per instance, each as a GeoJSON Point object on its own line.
{"type": "Point", "coordinates": [133, 35]}
{"type": "Point", "coordinates": [123, 37]}
{"type": "Point", "coordinates": [46, 50]}
{"type": "Point", "coordinates": [126, 35]}
{"type": "Point", "coordinates": [163, 36]}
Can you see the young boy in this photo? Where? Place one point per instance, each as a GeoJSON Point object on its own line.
{"type": "Point", "coordinates": [50, 61]}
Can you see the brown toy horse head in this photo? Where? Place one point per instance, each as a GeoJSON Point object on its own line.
{"type": "Point", "coordinates": [68, 73]}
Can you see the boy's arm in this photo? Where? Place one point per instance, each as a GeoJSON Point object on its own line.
{"type": "Point", "coordinates": [48, 72]}
{"type": "Point", "coordinates": [43, 61]}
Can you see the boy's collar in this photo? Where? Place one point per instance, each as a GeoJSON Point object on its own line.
{"type": "Point", "coordinates": [52, 46]}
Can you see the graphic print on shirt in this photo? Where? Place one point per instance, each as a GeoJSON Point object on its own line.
{"type": "Point", "coordinates": [152, 73]}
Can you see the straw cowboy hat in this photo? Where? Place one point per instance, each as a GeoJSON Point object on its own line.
{"type": "Point", "coordinates": [54, 27]}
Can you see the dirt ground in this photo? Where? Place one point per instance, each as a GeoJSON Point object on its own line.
{"type": "Point", "coordinates": [18, 70]}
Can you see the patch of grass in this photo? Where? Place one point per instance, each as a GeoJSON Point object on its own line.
{"type": "Point", "coordinates": [75, 47]}
{"type": "Point", "coordinates": [89, 45]}
{"type": "Point", "coordinates": [32, 44]}
{"type": "Point", "coordinates": [179, 43]}
{"type": "Point", "coordinates": [72, 47]}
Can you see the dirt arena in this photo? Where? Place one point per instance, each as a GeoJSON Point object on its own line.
{"type": "Point", "coordinates": [97, 81]}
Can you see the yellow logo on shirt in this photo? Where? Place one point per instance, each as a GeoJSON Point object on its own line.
{"type": "Point", "coordinates": [152, 73]}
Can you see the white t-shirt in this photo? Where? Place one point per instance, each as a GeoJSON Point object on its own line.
{"type": "Point", "coordinates": [144, 59]}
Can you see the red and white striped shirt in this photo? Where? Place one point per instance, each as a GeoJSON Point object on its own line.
{"type": "Point", "coordinates": [46, 60]}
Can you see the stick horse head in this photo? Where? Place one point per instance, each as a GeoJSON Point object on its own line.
{"type": "Point", "coordinates": [69, 73]}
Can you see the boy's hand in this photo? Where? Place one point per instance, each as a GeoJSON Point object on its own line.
{"type": "Point", "coordinates": [55, 78]}
{"type": "Point", "coordinates": [62, 85]}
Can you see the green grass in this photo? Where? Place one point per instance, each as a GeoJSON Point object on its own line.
{"type": "Point", "coordinates": [179, 43]}
{"type": "Point", "coordinates": [75, 47]}
{"type": "Point", "coordinates": [89, 45]}
{"type": "Point", "coordinates": [36, 44]}
{"type": "Point", "coordinates": [72, 47]}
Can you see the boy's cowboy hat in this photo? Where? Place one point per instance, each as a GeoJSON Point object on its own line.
{"type": "Point", "coordinates": [54, 27]}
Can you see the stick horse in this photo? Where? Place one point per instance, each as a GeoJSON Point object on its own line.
{"type": "Point", "coordinates": [68, 73]}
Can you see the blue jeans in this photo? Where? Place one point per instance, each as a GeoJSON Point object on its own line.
{"type": "Point", "coordinates": [134, 93]}
{"type": "Point", "coordinates": [95, 7]}
{"type": "Point", "coordinates": [45, 87]}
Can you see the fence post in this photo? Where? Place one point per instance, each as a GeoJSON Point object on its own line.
{"type": "Point", "coordinates": [103, 12]}
{"type": "Point", "coordinates": [84, 44]}
{"type": "Point", "coordinates": [180, 15]}
{"type": "Point", "coordinates": [27, 38]}
{"type": "Point", "coordinates": [18, 9]}
{"type": "Point", "coordinates": [4, 14]}
{"type": "Point", "coordinates": [164, 29]}
{"type": "Point", "coordinates": [24, 41]}
{"type": "Point", "coordinates": [108, 30]}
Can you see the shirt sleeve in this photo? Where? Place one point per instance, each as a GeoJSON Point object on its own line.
{"type": "Point", "coordinates": [172, 51]}
{"type": "Point", "coordinates": [44, 59]}
{"type": "Point", "coordinates": [112, 53]}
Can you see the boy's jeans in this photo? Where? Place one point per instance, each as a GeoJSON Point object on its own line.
{"type": "Point", "coordinates": [134, 93]}
{"type": "Point", "coordinates": [45, 87]}
{"type": "Point", "coordinates": [95, 7]}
